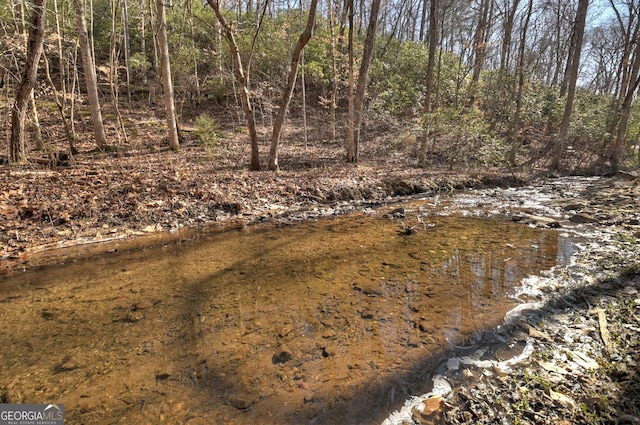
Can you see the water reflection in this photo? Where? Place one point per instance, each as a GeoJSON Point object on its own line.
{"type": "Point", "coordinates": [326, 322]}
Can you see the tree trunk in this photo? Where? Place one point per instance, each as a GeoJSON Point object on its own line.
{"type": "Point", "coordinates": [243, 81]}
{"type": "Point", "coordinates": [127, 47]}
{"type": "Point", "coordinates": [358, 102]}
{"type": "Point", "coordinates": [515, 134]}
{"type": "Point", "coordinates": [35, 125]}
{"type": "Point", "coordinates": [505, 54]}
{"type": "Point", "coordinates": [334, 72]}
{"type": "Point", "coordinates": [429, 83]}
{"type": "Point", "coordinates": [19, 111]}
{"type": "Point", "coordinates": [291, 81]}
{"type": "Point", "coordinates": [351, 145]}
{"type": "Point", "coordinates": [88, 66]}
{"type": "Point", "coordinates": [559, 147]}
{"type": "Point", "coordinates": [625, 110]}
{"type": "Point", "coordinates": [167, 85]}
{"type": "Point", "coordinates": [480, 46]}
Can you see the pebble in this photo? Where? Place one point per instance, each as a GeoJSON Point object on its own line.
{"type": "Point", "coordinates": [282, 355]}
{"type": "Point", "coordinates": [241, 401]}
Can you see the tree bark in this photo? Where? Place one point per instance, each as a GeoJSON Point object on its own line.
{"type": "Point", "coordinates": [351, 145]}
{"type": "Point", "coordinates": [291, 81]}
{"type": "Point", "coordinates": [429, 83]}
{"type": "Point", "coordinates": [480, 46]}
{"type": "Point", "coordinates": [515, 134]}
{"type": "Point", "coordinates": [88, 66]}
{"type": "Point", "coordinates": [167, 84]}
{"type": "Point", "coordinates": [334, 71]}
{"type": "Point", "coordinates": [625, 111]}
{"type": "Point", "coordinates": [358, 102]}
{"type": "Point", "coordinates": [243, 81]}
{"type": "Point", "coordinates": [20, 106]}
{"type": "Point", "coordinates": [574, 55]}
{"type": "Point", "coordinates": [507, 35]}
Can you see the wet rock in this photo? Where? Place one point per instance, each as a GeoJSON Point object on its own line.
{"type": "Point", "coordinates": [574, 206]}
{"type": "Point", "coordinates": [582, 218]}
{"type": "Point", "coordinates": [408, 230]}
{"type": "Point", "coordinates": [414, 341]}
{"type": "Point", "coordinates": [329, 334]}
{"type": "Point", "coordinates": [368, 314]}
{"type": "Point", "coordinates": [328, 351]}
{"type": "Point", "coordinates": [241, 401]}
{"type": "Point", "coordinates": [371, 289]}
{"type": "Point", "coordinates": [626, 176]}
{"type": "Point", "coordinates": [283, 355]}
{"type": "Point", "coordinates": [397, 213]}
{"type": "Point", "coordinates": [536, 220]}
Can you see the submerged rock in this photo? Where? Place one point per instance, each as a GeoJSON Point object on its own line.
{"type": "Point", "coordinates": [283, 355]}
{"type": "Point", "coordinates": [241, 401]}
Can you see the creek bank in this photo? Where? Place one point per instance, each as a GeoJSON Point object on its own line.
{"type": "Point", "coordinates": [45, 210]}
{"type": "Point", "coordinates": [582, 321]}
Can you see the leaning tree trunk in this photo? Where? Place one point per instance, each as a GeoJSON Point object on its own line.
{"type": "Point", "coordinates": [243, 80]}
{"type": "Point", "coordinates": [20, 106]}
{"type": "Point", "coordinates": [291, 81]}
{"type": "Point", "coordinates": [91, 81]}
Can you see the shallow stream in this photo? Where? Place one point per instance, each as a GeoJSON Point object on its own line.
{"type": "Point", "coordinates": [334, 321]}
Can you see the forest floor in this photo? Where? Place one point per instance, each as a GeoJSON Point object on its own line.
{"type": "Point", "coordinates": [142, 188]}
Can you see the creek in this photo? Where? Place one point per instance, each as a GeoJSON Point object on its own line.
{"type": "Point", "coordinates": [332, 321]}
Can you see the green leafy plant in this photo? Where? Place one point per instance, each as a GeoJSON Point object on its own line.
{"type": "Point", "coordinates": [207, 133]}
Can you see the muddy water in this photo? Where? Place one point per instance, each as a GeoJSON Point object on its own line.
{"type": "Point", "coordinates": [334, 321]}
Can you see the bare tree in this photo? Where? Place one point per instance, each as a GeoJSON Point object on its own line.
{"type": "Point", "coordinates": [515, 133]}
{"type": "Point", "coordinates": [91, 81]}
{"type": "Point", "coordinates": [29, 75]}
{"type": "Point", "coordinates": [358, 100]}
{"type": "Point", "coordinates": [242, 78]}
{"type": "Point", "coordinates": [574, 57]}
{"type": "Point", "coordinates": [167, 84]}
{"type": "Point", "coordinates": [625, 110]}
{"type": "Point", "coordinates": [480, 41]}
{"type": "Point", "coordinates": [429, 84]}
{"type": "Point", "coordinates": [291, 80]}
